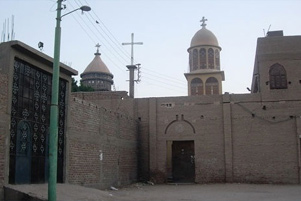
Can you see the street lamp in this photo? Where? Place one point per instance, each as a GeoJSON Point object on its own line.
{"type": "Point", "coordinates": [53, 136]}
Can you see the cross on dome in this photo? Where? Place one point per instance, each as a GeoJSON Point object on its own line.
{"type": "Point", "coordinates": [203, 20]}
{"type": "Point", "coordinates": [98, 46]}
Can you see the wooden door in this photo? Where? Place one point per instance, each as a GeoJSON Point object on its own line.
{"type": "Point", "coordinates": [183, 166]}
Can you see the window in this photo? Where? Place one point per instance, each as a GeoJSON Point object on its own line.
{"type": "Point", "coordinates": [195, 59]}
{"type": "Point", "coordinates": [255, 90]}
{"type": "Point", "coordinates": [277, 77]}
{"type": "Point", "coordinates": [210, 58]}
{"type": "Point", "coordinates": [217, 61]}
{"type": "Point", "coordinates": [196, 87]}
{"type": "Point", "coordinates": [190, 61]}
{"type": "Point", "coordinates": [203, 60]}
{"type": "Point", "coordinates": [212, 86]}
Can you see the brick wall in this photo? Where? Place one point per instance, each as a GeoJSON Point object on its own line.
{"type": "Point", "coordinates": [236, 139]}
{"type": "Point", "coordinates": [142, 109]}
{"type": "Point", "coordinates": [3, 128]}
{"type": "Point", "coordinates": [265, 148]}
{"type": "Point", "coordinates": [96, 130]}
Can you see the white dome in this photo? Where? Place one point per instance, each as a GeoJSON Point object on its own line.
{"type": "Point", "coordinates": [204, 37]}
{"type": "Point", "coordinates": [97, 66]}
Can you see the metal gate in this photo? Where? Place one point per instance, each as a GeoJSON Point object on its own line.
{"type": "Point", "coordinates": [30, 118]}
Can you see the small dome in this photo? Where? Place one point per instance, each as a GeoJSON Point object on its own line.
{"type": "Point", "coordinates": [97, 66]}
{"type": "Point", "coordinates": [204, 37]}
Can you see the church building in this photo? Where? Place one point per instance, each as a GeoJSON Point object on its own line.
{"type": "Point", "coordinates": [107, 138]}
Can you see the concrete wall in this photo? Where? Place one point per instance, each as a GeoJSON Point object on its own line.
{"type": "Point", "coordinates": [94, 130]}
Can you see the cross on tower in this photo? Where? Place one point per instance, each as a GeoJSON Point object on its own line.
{"type": "Point", "coordinates": [203, 20]}
{"type": "Point", "coordinates": [132, 43]}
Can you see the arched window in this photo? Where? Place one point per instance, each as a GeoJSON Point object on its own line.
{"type": "Point", "coordinates": [195, 59]}
{"type": "Point", "coordinates": [196, 87]}
{"type": "Point", "coordinates": [190, 61]}
{"type": "Point", "coordinates": [277, 77]}
{"type": "Point", "coordinates": [212, 86]}
{"type": "Point", "coordinates": [217, 61]}
{"type": "Point", "coordinates": [255, 90]}
{"type": "Point", "coordinates": [210, 58]}
{"type": "Point", "coordinates": [203, 59]}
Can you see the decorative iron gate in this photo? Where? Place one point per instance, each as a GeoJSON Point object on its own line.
{"type": "Point", "coordinates": [30, 118]}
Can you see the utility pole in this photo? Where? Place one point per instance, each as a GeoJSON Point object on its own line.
{"type": "Point", "coordinates": [132, 67]}
{"type": "Point", "coordinates": [53, 128]}
{"type": "Point", "coordinates": [53, 134]}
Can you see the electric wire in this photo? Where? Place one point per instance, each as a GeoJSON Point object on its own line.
{"type": "Point", "coordinates": [154, 84]}
{"type": "Point", "coordinates": [117, 43]}
{"type": "Point", "coordinates": [114, 40]}
{"type": "Point", "coordinates": [93, 23]}
{"type": "Point", "coordinates": [170, 85]}
{"type": "Point", "coordinates": [103, 44]}
{"type": "Point", "coordinates": [113, 43]}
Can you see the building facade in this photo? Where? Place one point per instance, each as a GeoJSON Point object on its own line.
{"type": "Point", "coordinates": [107, 138]}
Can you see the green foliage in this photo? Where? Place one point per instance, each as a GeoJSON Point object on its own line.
{"type": "Point", "coordinates": [81, 87]}
{"type": "Point", "coordinates": [74, 86]}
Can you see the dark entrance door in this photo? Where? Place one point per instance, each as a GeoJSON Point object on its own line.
{"type": "Point", "coordinates": [183, 167]}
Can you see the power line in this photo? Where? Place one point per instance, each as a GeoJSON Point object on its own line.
{"type": "Point", "coordinates": [104, 44]}
{"type": "Point", "coordinates": [112, 44]}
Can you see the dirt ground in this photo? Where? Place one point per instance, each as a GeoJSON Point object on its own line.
{"type": "Point", "coordinates": [145, 192]}
{"type": "Point", "coordinates": [211, 192]}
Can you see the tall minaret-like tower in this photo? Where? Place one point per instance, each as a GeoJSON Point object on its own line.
{"type": "Point", "coordinates": [205, 76]}
{"type": "Point", "coordinates": [97, 74]}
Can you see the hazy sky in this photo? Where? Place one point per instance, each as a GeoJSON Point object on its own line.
{"type": "Point", "coordinates": [165, 27]}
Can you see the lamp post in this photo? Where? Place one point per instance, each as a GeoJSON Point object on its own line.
{"type": "Point", "coordinates": [53, 136]}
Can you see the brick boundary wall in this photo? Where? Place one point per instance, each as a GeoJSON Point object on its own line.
{"type": "Point", "coordinates": [3, 128]}
{"type": "Point", "coordinates": [96, 132]}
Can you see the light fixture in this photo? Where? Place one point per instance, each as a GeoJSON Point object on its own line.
{"type": "Point", "coordinates": [53, 128]}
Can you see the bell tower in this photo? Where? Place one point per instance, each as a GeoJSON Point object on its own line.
{"type": "Point", "coordinates": [205, 76]}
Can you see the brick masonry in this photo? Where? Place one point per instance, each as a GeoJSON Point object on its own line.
{"type": "Point", "coordinates": [3, 128]}
{"type": "Point", "coordinates": [235, 140]}
{"type": "Point", "coordinates": [94, 131]}
{"type": "Point", "coordinates": [249, 138]}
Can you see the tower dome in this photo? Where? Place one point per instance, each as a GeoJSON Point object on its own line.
{"type": "Point", "coordinates": [97, 75]}
{"type": "Point", "coordinates": [204, 37]}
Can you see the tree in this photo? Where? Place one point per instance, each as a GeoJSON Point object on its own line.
{"type": "Point", "coordinates": [81, 87]}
